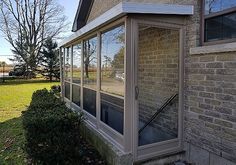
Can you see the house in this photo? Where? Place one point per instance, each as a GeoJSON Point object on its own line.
{"type": "Point", "coordinates": [155, 79]}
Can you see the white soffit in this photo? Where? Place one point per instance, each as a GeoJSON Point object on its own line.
{"type": "Point", "coordinates": [130, 8]}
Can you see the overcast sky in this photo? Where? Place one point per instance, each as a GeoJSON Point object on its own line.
{"type": "Point", "coordinates": [70, 7]}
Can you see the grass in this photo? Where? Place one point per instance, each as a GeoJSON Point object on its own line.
{"type": "Point", "coordinates": [15, 96]}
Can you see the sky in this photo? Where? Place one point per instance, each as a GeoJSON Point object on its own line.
{"type": "Point", "coordinates": [70, 7]}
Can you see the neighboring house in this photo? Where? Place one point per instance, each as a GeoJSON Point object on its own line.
{"type": "Point", "coordinates": [127, 59]}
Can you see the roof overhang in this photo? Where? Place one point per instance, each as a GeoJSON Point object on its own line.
{"type": "Point", "coordinates": [124, 8]}
{"type": "Point", "coordinates": [82, 14]}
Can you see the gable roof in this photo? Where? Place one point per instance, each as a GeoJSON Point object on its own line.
{"type": "Point", "coordinates": [82, 14]}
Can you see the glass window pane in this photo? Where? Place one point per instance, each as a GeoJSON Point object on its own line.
{"type": "Point", "coordinates": [67, 90]}
{"type": "Point", "coordinates": [158, 65]}
{"type": "Point", "coordinates": [229, 26]}
{"type": "Point", "coordinates": [112, 112]}
{"type": "Point", "coordinates": [89, 101]}
{"type": "Point", "coordinates": [77, 64]}
{"type": "Point", "coordinates": [112, 61]}
{"type": "Point", "coordinates": [62, 61]}
{"type": "Point", "coordinates": [76, 94]}
{"type": "Point", "coordinates": [68, 64]}
{"type": "Point", "coordinates": [90, 63]}
{"type": "Point", "coordinates": [221, 27]}
{"type": "Point", "coordinates": [213, 6]}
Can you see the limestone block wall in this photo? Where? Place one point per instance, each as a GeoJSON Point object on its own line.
{"type": "Point", "coordinates": [158, 75]}
{"type": "Point", "coordinates": [210, 103]}
{"type": "Point", "coordinates": [101, 6]}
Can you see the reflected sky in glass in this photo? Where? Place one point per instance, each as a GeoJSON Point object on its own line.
{"type": "Point", "coordinates": [213, 6]}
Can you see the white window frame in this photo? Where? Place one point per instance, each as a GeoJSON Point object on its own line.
{"type": "Point", "coordinates": [169, 146]}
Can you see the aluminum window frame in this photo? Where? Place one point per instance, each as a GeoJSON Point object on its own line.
{"type": "Point", "coordinates": [112, 135]}
{"type": "Point", "coordinates": [167, 147]}
{"type": "Point", "coordinates": [126, 143]}
{"type": "Point", "coordinates": [203, 17]}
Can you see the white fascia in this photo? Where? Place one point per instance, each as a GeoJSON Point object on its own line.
{"type": "Point", "coordinates": [124, 8]}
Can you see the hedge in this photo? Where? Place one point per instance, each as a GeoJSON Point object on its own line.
{"type": "Point", "coordinates": [51, 130]}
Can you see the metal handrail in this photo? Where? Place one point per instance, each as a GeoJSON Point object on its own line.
{"type": "Point", "coordinates": [158, 112]}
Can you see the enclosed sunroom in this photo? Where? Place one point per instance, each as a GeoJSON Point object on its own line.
{"type": "Point", "coordinates": [124, 71]}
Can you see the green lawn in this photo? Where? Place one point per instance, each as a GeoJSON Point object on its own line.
{"type": "Point", "coordinates": [15, 96]}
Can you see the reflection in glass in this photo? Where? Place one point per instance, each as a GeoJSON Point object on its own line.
{"type": "Point", "coordinates": [76, 94]}
{"type": "Point", "coordinates": [68, 64]}
{"type": "Point", "coordinates": [67, 90]}
{"type": "Point", "coordinates": [213, 6]}
{"type": "Point", "coordinates": [221, 27]}
{"type": "Point", "coordinates": [77, 64]}
{"type": "Point", "coordinates": [112, 61]}
{"type": "Point", "coordinates": [112, 112]}
{"type": "Point", "coordinates": [90, 62]}
{"type": "Point", "coordinates": [62, 61]}
{"type": "Point", "coordinates": [90, 75]}
{"type": "Point", "coordinates": [89, 101]}
{"type": "Point", "coordinates": [157, 82]}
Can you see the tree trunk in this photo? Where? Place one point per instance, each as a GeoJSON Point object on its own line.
{"type": "Point", "coordinates": [87, 70]}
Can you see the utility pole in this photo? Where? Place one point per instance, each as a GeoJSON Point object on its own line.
{"type": "Point", "coordinates": [3, 71]}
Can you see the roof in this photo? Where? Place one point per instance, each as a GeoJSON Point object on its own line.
{"type": "Point", "coordinates": [124, 8]}
{"type": "Point", "coordinates": [82, 14]}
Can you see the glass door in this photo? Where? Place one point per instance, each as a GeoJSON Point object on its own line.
{"type": "Point", "coordinates": [157, 89]}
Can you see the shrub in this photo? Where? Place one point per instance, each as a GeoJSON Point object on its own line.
{"type": "Point", "coordinates": [56, 89]}
{"type": "Point", "coordinates": [51, 130]}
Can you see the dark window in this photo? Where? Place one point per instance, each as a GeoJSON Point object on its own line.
{"type": "Point", "coordinates": [112, 112]}
{"type": "Point", "coordinates": [89, 101]}
{"type": "Point", "coordinates": [219, 20]}
{"type": "Point", "coordinates": [76, 94]}
{"type": "Point", "coordinates": [67, 90]}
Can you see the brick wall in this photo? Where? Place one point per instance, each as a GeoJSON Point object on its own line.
{"type": "Point", "coordinates": [101, 6]}
{"type": "Point", "coordinates": [158, 76]}
{"type": "Point", "coordinates": [210, 103]}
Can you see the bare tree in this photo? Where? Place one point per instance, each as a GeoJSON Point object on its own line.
{"type": "Point", "coordinates": [89, 55]}
{"type": "Point", "coordinates": [26, 24]}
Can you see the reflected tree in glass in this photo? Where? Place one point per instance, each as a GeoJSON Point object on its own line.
{"type": "Point", "coordinates": [68, 64]}
{"type": "Point", "coordinates": [113, 78]}
{"type": "Point", "coordinates": [90, 62]}
{"type": "Point", "coordinates": [77, 63]}
{"type": "Point", "coordinates": [213, 6]}
{"type": "Point", "coordinates": [112, 61]}
{"type": "Point", "coordinates": [90, 74]}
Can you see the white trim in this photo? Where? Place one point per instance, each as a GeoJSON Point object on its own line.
{"type": "Point", "coordinates": [124, 8]}
{"type": "Point", "coordinates": [155, 8]}
{"type": "Point", "coordinates": [98, 100]}
{"type": "Point", "coordinates": [219, 48]}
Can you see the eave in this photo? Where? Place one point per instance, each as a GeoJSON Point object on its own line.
{"type": "Point", "coordinates": [124, 8]}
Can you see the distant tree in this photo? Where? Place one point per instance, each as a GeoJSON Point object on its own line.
{"type": "Point", "coordinates": [22, 68]}
{"type": "Point", "coordinates": [50, 60]}
{"type": "Point", "coordinates": [118, 61]}
{"type": "Point", "coordinates": [89, 55]}
{"type": "Point", "coordinates": [26, 24]}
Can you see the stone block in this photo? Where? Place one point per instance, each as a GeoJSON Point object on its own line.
{"type": "Point", "coordinates": [214, 65]}
{"type": "Point", "coordinates": [230, 64]}
{"type": "Point", "coordinates": [225, 97]}
{"type": "Point", "coordinates": [217, 160]}
{"type": "Point", "coordinates": [223, 123]}
{"type": "Point", "coordinates": [205, 118]}
{"type": "Point", "coordinates": [199, 156]}
{"type": "Point", "coordinates": [206, 94]}
{"type": "Point", "coordinates": [207, 58]}
{"type": "Point", "coordinates": [223, 110]}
